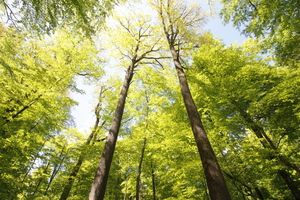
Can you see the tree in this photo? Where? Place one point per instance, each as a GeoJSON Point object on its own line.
{"type": "Point", "coordinates": [90, 141]}
{"type": "Point", "coordinates": [36, 77]}
{"type": "Point", "coordinates": [171, 166]}
{"type": "Point", "coordinates": [276, 23]}
{"type": "Point", "coordinates": [242, 95]}
{"type": "Point", "coordinates": [135, 45]}
{"type": "Point", "coordinates": [43, 17]}
{"type": "Point", "coordinates": [178, 23]}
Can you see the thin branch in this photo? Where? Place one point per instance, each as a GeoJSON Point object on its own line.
{"type": "Point", "coordinates": [10, 14]}
{"type": "Point", "coordinates": [255, 8]}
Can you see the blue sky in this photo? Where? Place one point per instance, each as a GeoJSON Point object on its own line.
{"type": "Point", "coordinates": [83, 113]}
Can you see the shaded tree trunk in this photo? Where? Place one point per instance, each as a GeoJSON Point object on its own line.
{"type": "Point", "coordinates": [138, 178]}
{"type": "Point", "coordinates": [99, 185]}
{"type": "Point", "coordinates": [216, 183]}
{"type": "Point", "coordinates": [261, 134]}
{"type": "Point", "coordinates": [246, 187]}
{"type": "Point", "coordinates": [153, 182]}
{"type": "Point", "coordinates": [56, 169]}
{"type": "Point", "coordinates": [268, 143]}
{"type": "Point", "coordinates": [290, 183]}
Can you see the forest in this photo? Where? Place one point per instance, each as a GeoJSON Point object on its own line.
{"type": "Point", "coordinates": [179, 114]}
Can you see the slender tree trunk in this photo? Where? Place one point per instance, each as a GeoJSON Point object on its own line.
{"type": "Point", "coordinates": [54, 173]}
{"type": "Point", "coordinates": [246, 187]}
{"type": "Point", "coordinates": [40, 181]}
{"type": "Point", "coordinates": [268, 143]}
{"type": "Point", "coordinates": [153, 182]}
{"type": "Point", "coordinates": [261, 134]}
{"type": "Point", "coordinates": [98, 188]}
{"type": "Point", "coordinates": [71, 179]}
{"type": "Point", "coordinates": [138, 178]}
{"type": "Point", "coordinates": [216, 184]}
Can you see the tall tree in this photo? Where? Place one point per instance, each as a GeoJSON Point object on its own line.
{"type": "Point", "coordinates": [242, 89]}
{"type": "Point", "coordinates": [135, 42]}
{"type": "Point", "coordinates": [179, 22]}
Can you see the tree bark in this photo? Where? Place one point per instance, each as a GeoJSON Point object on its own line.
{"type": "Point", "coordinates": [138, 178]}
{"type": "Point", "coordinates": [153, 182]}
{"type": "Point", "coordinates": [99, 185]}
{"type": "Point", "coordinates": [216, 183]}
{"type": "Point", "coordinates": [290, 183]}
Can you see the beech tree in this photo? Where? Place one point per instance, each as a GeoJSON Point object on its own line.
{"type": "Point", "coordinates": [136, 45]}
{"type": "Point", "coordinates": [178, 22]}
{"type": "Point", "coordinates": [224, 76]}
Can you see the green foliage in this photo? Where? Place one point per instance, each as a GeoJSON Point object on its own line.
{"type": "Point", "coordinates": [276, 22]}
{"type": "Point", "coordinates": [36, 77]}
{"type": "Point", "coordinates": [238, 89]}
{"type": "Point", "coordinates": [43, 17]}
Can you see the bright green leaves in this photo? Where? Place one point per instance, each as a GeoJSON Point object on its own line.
{"type": "Point", "coordinates": [35, 80]}
{"type": "Point", "coordinates": [275, 22]}
{"type": "Point", "coordinates": [247, 101]}
{"type": "Point", "coordinates": [85, 16]}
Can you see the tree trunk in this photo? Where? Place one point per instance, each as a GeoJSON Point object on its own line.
{"type": "Point", "coordinates": [268, 143]}
{"type": "Point", "coordinates": [98, 188]}
{"type": "Point", "coordinates": [40, 181]}
{"type": "Point", "coordinates": [290, 183]}
{"type": "Point", "coordinates": [153, 183]}
{"type": "Point", "coordinates": [243, 184]}
{"type": "Point", "coordinates": [261, 134]}
{"type": "Point", "coordinates": [138, 178]}
{"type": "Point", "coordinates": [216, 184]}
{"type": "Point", "coordinates": [55, 170]}
{"type": "Point", "coordinates": [71, 179]}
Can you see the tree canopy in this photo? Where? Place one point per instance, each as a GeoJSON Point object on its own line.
{"type": "Point", "coordinates": [276, 22]}
{"type": "Point", "coordinates": [185, 94]}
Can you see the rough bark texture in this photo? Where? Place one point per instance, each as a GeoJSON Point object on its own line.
{"type": "Point", "coordinates": [98, 188]}
{"type": "Point", "coordinates": [216, 184]}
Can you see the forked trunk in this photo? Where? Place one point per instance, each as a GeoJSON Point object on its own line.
{"type": "Point", "coordinates": [216, 184]}
{"type": "Point", "coordinates": [98, 188]}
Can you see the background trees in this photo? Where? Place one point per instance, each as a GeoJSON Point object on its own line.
{"type": "Point", "coordinates": [248, 103]}
{"type": "Point", "coordinates": [36, 77]}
